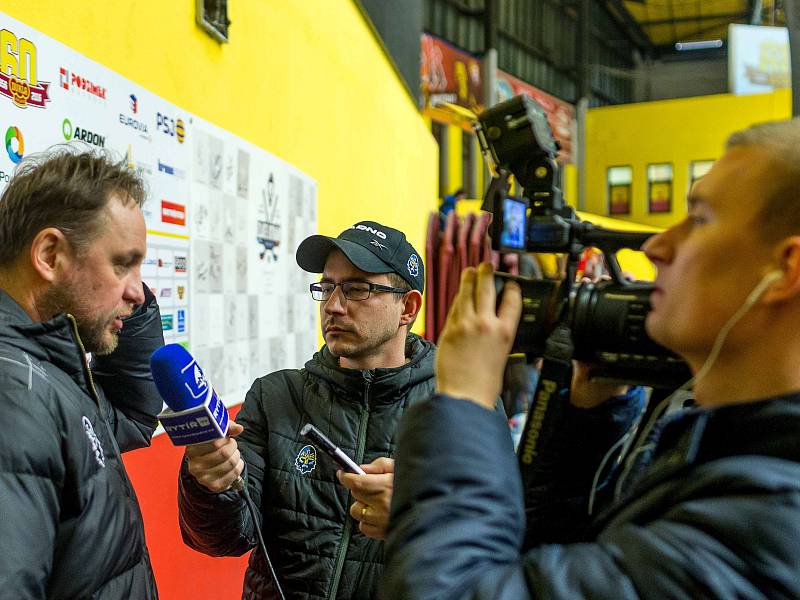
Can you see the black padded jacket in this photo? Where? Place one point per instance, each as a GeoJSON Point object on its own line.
{"type": "Point", "coordinates": [70, 523]}
{"type": "Point", "coordinates": [714, 511]}
{"type": "Point", "coordinates": [316, 548]}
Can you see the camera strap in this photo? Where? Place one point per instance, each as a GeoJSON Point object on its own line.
{"type": "Point", "coordinates": [555, 375]}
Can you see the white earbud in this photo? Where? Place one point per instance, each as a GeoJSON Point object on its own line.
{"type": "Point", "coordinates": [772, 276]}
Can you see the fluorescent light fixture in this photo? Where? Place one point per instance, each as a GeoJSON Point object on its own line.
{"type": "Point", "coordinates": [704, 45]}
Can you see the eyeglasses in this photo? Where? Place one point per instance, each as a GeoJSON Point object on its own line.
{"type": "Point", "coordinates": [352, 290]}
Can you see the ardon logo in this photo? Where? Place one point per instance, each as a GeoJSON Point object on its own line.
{"type": "Point", "coordinates": [15, 144]}
{"type": "Point", "coordinates": [84, 135]}
{"type": "Point", "coordinates": [18, 72]}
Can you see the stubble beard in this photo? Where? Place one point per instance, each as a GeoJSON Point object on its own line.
{"type": "Point", "coordinates": [365, 346]}
{"type": "Point", "coordinates": [95, 331]}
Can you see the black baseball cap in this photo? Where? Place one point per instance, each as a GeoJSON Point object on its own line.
{"type": "Point", "coordinates": [370, 246]}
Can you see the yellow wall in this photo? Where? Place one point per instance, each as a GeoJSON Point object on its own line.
{"type": "Point", "coordinates": [306, 81]}
{"type": "Point", "coordinates": [670, 131]}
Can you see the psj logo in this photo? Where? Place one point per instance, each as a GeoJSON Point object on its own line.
{"type": "Point", "coordinates": [172, 127]}
{"type": "Point", "coordinates": [18, 77]}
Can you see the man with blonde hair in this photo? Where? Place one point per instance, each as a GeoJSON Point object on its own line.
{"type": "Point", "coordinates": [708, 504]}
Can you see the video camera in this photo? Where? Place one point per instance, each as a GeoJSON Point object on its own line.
{"type": "Point", "coordinates": [605, 319]}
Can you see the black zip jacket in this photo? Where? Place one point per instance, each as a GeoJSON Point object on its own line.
{"type": "Point", "coordinates": [70, 523]}
{"type": "Point", "coordinates": [315, 546]}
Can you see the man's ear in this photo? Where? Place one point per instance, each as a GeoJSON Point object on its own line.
{"type": "Point", "coordinates": [787, 286]}
{"type": "Point", "coordinates": [412, 303]}
{"type": "Point", "coordinates": [50, 253]}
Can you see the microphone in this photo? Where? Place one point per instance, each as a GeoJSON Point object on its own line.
{"type": "Point", "coordinates": [195, 414]}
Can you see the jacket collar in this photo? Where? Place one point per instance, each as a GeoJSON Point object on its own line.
{"type": "Point", "coordinates": [693, 437]}
{"type": "Point", "coordinates": [384, 385]}
{"type": "Point", "coordinates": [53, 341]}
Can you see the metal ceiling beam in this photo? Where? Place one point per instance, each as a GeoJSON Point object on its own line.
{"type": "Point", "coordinates": [755, 9]}
{"type": "Point", "coordinates": [688, 19]}
{"type": "Point", "coordinates": [619, 12]}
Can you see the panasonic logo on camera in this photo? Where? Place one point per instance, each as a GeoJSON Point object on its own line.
{"type": "Point", "coordinates": [376, 232]}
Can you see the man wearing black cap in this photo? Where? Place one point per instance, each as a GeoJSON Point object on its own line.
{"type": "Point", "coordinates": [324, 530]}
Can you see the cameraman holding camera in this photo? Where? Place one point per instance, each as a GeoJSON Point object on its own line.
{"type": "Point", "coordinates": [707, 504]}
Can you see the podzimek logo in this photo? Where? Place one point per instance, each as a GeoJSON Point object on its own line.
{"type": "Point", "coordinates": [72, 82]}
{"type": "Point", "coordinates": [77, 132]}
{"type": "Point", "coordinates": [135, 124]}
{"type": "Point", "coordinates": [171, 127]}
{"type": "Point", "coordinates": [18, 72]}
{"type": "Point", "coordinates": [173, 213]}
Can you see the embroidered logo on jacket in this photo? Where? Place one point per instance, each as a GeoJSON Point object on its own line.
{"type": "Point", "coordinates": [306, 460]}
{"type": "Point", "coordinates": [95, 443]}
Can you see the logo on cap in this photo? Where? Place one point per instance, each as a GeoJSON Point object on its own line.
{"type": "Point", "coordinates": [413, 265]}
{"type": "Point", "coordinates": [369, 229]}
{"type": "Point", "coordinates": [378, 244]}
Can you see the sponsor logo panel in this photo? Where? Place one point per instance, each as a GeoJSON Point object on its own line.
{"type": "Point", "coordinates": [15, 144]}
{"type": "Point", "coordinates": [173, 213]}
{"type": "Point", "coordinates": [19, 80]}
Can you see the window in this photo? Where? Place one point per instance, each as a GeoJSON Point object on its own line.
{"type": "Point", "coordinates": [698, 168]}
{"type": "Point", "coordinates": [212, 16]}
{"type": "Point", "coordinates": [439, 131]}
{"type": "Point", "coordinates": [469, 165]}
{"type": "Point", "coordinates": [659, 188]}
{"type": "Point", "coordinates": [618, 182]}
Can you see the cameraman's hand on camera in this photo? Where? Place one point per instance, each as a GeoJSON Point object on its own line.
{"type": "Point", "coordinates": [477, 337]}
{"type": "Point", "coordinates": [216, 464]}
{"type": "Point", "coordinates": [585, 393]}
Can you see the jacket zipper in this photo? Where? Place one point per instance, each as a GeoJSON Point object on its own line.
{"type": "Point", "coordinates": [86, 370]}
{"type": "Point", "coordinates": [348, 524]}
{"type": "Point", "coordinates": [93, 393]}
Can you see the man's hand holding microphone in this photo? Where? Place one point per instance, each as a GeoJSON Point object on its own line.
{"type": "Point", "coordinates": [217, 464]}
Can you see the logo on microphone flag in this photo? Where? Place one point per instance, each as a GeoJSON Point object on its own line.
{"type": "Point", "coordinates": [306, 460]}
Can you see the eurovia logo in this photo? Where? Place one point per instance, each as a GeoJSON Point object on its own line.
{"type": "Point", "coordinates": [80, 133]}
{"type": "Point", "coordinates": [413, 265]}
{"type": "Point", "coordinates": [15, 144]}
{"type": "Point", "coordinates": [131, 122]}
{"type": "Point", "coordinates": [18, 72]}
{"type": "Point", "coordinates": [306, 460]}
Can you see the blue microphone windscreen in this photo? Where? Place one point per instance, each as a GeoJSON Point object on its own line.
{"type": "Point", "coordinates": [178, 377]}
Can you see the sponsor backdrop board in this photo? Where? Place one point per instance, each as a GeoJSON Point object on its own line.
{"type": "Point", "coordinates": [224, 217]}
